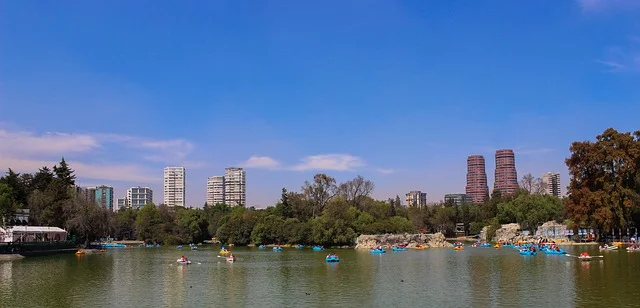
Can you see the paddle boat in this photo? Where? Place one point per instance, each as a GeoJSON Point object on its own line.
{"type": "Point", "coordinates": [497, 245]}
{"type": "Point", "coordinates": [80, 252]}
{"type": "Point", "coordinates": [528, 252]}
{"type": "Point", "coordinates": [224, 251]}
{"type": "Point", "coordinates": [633, 248]}
{"type": "Point", "coordinates": [183, 260]}
{"type": "Point", "coordinates": [231, 258]}
{"type": "Point", "coordinates": [475, 244]}
{"type": "Point", "coordinates": [508, 245]}
{"type": "Point", "coordinates": [485, 245]}
{"type": "Point", "coordinates": [377, 250]}
{"type": "Point", "coordinates": [458, 247]}
{"type": "Point", "coordinates": [458, 244]}
{"type": "Point", "coordinates": [194, 247]}
{"type": "Point", "coordinates": [179, 247]}
{"type": "Point", "coordinates": [399, 248]}
{"type": "Point", "coordinates": [585, 257]}
{"type": "Point", "coordinates": [318, 248]}
{"type": "Point", "coordinates": [298, 246]}
{"type": "Point", "coordinates": [262, 247]}
{"type": "Point", "coordinates": [420, 247]}
{"type": "Point", "coordinates": [607, 248]}
{"type": "Point", "coordinates": [332, 258]}
{"type": "Point", "coordinates": [277, 249]}
{"type": "Point", "coordinates": [550, 251]}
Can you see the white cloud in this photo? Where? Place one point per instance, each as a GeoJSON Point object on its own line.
{"type": "Point", "coordinates": [261, 162]}
{"type": "Point", "coordinates": [337, 162]}
{"type": "Point", "coordinates": [110, 172]}
{"type": "Point", "coordinates": [386, 170]}
{"type": "Point", "coordinates": [602, 5]}
{"type": "Point", "coordinates": [25, 143]}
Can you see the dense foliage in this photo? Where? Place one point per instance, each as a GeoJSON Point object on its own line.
{"type": "Point", "coordinates": [604, 191]}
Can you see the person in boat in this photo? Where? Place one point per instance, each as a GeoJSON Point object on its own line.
{"type": "Point", "coordinates": [184, 259]}
{"type": "Point", "coordinates": [584, 254]}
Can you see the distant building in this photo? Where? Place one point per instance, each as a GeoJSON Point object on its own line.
{"type": "Point", "coordinates": [506, 177]}
{"type": "Point", "coordinates": [174, 186]}
{"type": "Point", "coordinates": [215, 190]}
{"type": "Point", "coordinates": [477, 189]}
{"type": "Point", "coordinates": [551, 184]}
{"type": "Point", "coordinates": [457, 199]}
{"type": "Point", "coordinates": [138, 197]}
{"type": "Point", "coordinates": [121, 204]}
{"type": "Point", "coordinates": [87, 193]}
{"type": "Point", "coordinates": [235, 187]}
{"type": "Point", "coordinates": [104, 196]}
{"type": "Point", "coordinates": [416, 199]}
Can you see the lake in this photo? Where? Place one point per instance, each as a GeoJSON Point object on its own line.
{"type": "Point", "coordinates": [474, 277]}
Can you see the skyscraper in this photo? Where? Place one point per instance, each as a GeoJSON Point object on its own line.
{"type": "Point", "coordinates": [104, 196]}
{"type": "Point", "coordinates": [235, 186]}
{"type": "Point", "coordinates": [215, 190]}
{"type": "Point", "coordinates": [506, 177]}
{"type": "Point", "coordinates": [138, 197]}
{"type": "Point", "coordinates": [174, 186]}
{"type": "Point", "coordinates": [416, 198]}
{"type": "Point", "coordinates": [457, 199]}
{"type": "Point", "coordinates": [551, 183]}
{"type": "Point", "coordinates": [477, 188]}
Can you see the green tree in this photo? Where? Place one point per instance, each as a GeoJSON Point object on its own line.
{"type": "Point", "coordinates": [605, 180]}
{"type": "Point", "coordinates": [88, 219]}
{"type": "Point", "coordinates": [320, 191]}
{"type": "Point", "coordinates": [148, 223]}
{"type": "Point", "coordinates": [65, 173]}
{"type": "Point", "coordinates": [8, 204]}
{"type": "Point", "coordinates": [125, 224]}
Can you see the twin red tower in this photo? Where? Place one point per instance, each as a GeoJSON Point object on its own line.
{"type": "Point", "coordinates": [506, 177]}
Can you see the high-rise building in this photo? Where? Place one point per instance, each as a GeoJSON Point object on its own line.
{"type": "Point", "coordinates": [138, 197]}
{"type": "Point", "coordinates": [457, 199]}
{"type": "Point", "coordinates": [477, 189]}
{"type": "Point", "coordinates": [506, 177]}
{"type": "Point", "coordinates": [104, 196]}
{"type": "Point", "coordinates": [87, 193]}
{"type": "Point", "coordinates": [235, 186]}
{"type": "Point", "coordinates": [416, 198]}
{"type": "Point", "coordinates": [174, 186]}
{"type": "Point", "coordinates": [121, 204]}
{"type": "Point", "coordinates": [551, 183]}
{"type": "Point", "coordinates": [215, 190]}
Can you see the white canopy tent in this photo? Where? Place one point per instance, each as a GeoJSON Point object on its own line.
{"type": "Point", "coordinates": [32, 234]}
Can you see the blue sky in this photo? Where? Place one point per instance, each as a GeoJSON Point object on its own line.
{"type": "Point", "coordinates": [400, 92]}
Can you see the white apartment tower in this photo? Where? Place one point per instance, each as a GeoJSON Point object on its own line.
{"type": "Point", "coordinates": [235, 187]}
{"type": "Point", "coordinates": [174, 186]}
{"type": "Point", "coordinates": [215, 190]}
{"type": "Point", "coordinates": [551, 183]}
{"type": "Point", "coordinates": [138, 197]}
{"type": "Point", "coordinates": [416, 198]}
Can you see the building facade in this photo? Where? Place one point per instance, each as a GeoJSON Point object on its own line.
{"type": "Point", "coordinates": [174, 186]}
{"type": "Point", "coordinates": [477, 189]}
{"type": "Point", "coordinates": [215, 190]}
{"type": "Point", "coordinates": [121, 204]}
{"type": "Point", "coordinates": [506, 177]}
{"type": "Point", "coordinates": [104, 196]}
{"type": "Point", "coordinates": [457, 199]}
{"type": "Point", "coordinates": [235, 186]}
{"type": "Point", "coordinates": [551, 184]}
{"type": "Point", "coordinates": [416, 198]}
{"type": "Point", "coordinates": [87, 193]}
{"type": "Point", "coordinates": [138, 197]}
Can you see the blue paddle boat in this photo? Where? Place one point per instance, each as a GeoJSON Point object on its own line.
{"type": "Point", "coordinates": [555, 252]}
{"type": "Point", "coordinates": [298, 246]}
{"type": "Point", "coordinates": [318, 248]}
{"type": "Point", "coordinates": [179, 247]}
{"type": "Point", "coordinates": [377, 250]}
{"type": "Point", "coordinates": [527, 252]}
{"type": "Point", "coordinates": [485, 245]}
{"type": "Point", "coordinates": [332, 258]}
{"type": "Point", "coordinates": [396, 248]}
{"type": "Point", "coordinates": [277, 249]}
{"type": "Point", "coordinates": [262, 247]}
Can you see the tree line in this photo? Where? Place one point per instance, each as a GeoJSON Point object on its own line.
{"type": "Point", "coordinates": [603, 194]}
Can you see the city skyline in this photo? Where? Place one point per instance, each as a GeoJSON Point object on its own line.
{"type": "Point", "coordinates": [398, 92]}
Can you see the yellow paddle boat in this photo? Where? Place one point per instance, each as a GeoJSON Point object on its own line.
{"type": "Point", "coordinates": [420, 247]}
{"type": "Point", "coordinates": [497, 245]}
{"type": "Point", "coordinates": [224, 252]}
{"type": "Point", "coordinates": [80, 252]}
{"type": "Point", "coordinates": [458, 248]}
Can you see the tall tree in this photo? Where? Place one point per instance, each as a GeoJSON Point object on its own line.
{"type": "Point", "coordinates": [354, 191]}
{"type": "Point", "coordinates": [320, 191]}
{"type": "Point", "coordinates": [528, 183]}
{"type": "Point", "coordinates": [65, 173]}
{"type": "Point", "coordinates": [603, 190]}
{"type": "Point", "coordinates": [89, 220]}
{"type": "Point", "coordinates": [8, 204]}
{"type": "Point", "coordinates": [42, 178]}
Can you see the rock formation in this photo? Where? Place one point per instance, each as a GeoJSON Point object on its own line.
{"type": "Point", "coordinates": [411, 240]}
